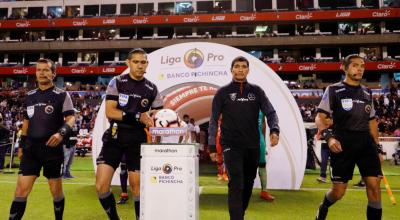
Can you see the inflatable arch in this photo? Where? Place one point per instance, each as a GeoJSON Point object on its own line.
{"type": "Point", "coordinates": [188, 75]}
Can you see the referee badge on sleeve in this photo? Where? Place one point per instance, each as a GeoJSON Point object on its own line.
{"type": "Point", "coordinates": [123, 99]}
{"type": "Point", "coordinates": [347, 104]}
{"type": "Point", "coordinates": [30, 110]}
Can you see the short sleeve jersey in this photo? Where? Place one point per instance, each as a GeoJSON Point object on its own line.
{"type": "Point", "coordinates": [45, 110]}
{"type": "Point", "coordinates": [133, 96]}
{"type": "Point", "coordinates": [351, 107]}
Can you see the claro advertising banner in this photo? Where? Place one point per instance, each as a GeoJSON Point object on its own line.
{"type": "Point", "coordinates": [273, 16]}
{"type": "Point", "coordinates": [277, 67]}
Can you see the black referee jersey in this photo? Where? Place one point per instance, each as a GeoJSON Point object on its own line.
{"type": "Point", "coordinates": [133, 96]}
{"type": "Point", "coordinates": [45, 110]}
{"type": "Point", "coordinates": [351, 107]}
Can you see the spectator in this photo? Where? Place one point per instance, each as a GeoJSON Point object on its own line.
{"type": "Point", "coordinates": [4, 142]}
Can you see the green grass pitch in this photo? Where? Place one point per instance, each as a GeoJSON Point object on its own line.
{"type": "Point", "coordinates": [82, 202]}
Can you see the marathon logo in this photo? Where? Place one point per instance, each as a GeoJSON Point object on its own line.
{"type": "Point", "coordinates": [167, 131]}
{"type": "Point", "coordinates": [377, 14]}
{"type": "Point", "coordinates": [308, 67]}
{"type": "Point", "coordinates": [345, 14]}
{"type": "Point", "coordinates": [248, 18]}
{"type": "Point", "coordinates": [23, 24]}
{"type": "Point", "coordinates": [194, 19]}
{"type": "Point", "coordinates": [167, 150]}
{"type": "Point", "coordinates": [307, 16]}
{"type": "Point", "coordinates": [218, 18]}
{"type": "Point", "coordinates": [20, 71]}
{"type": "Point", "coordinates": [143, 20]}
{"type": "Point", "coordinates": [83, 22]}
{"type": "Point", "coordinates": [109, 21]}
{"type": "Point", "coordinates": [78, 70]}
{"type": "Point", "coordinates": [390, 66]}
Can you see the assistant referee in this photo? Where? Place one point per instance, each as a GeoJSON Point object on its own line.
{"type": "Point", "coordinates": [353, 139]}
{"type": "Point", "coordinates": [48, 118]}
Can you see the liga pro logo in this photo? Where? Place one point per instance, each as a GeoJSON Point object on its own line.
{"type": "Point", "coordinates": [193, 58]}
{"type": "Point", "coordinates": [167, 168]}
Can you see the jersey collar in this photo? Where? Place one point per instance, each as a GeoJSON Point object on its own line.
{"type": "Point", "coordinates": [351, 86]}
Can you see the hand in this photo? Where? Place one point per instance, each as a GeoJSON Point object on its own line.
{"type": "Point", "coordinates": [274, 139]}
{"type": "Point", "coordinates": [153, 112]}
{"type": "Point", "coordinates": [213, 157]}
{"type": "Point", "coordinates": [146, 119]}
{"type": "Point", "coordinates": [20, 153]}
{"type": "Point", "coordinates": [54, 140]}
{"type": "Point", "coordinates": [334, 145]}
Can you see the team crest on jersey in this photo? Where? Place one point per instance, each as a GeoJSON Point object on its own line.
{"type": "Point", "coordinates": [368, 109]}
{"type": "Point", "coordinates": [347, 104]}
{"type": "Point", "coordinates": [123, 99]}
{"type": "Point", "coordinates": [144, 102]}
{"type": "Point", "coordinates": [30, 110]}
{"type": "Point", "coordinates": [49, 109]}
{"type": "Point", "coordinates": [251, 96]}
{"type": "Point", "coordinates": [233, 96]}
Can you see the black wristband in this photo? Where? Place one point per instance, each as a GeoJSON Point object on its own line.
{"type": "Point", "coordinates": [65, 130]}
{"type": "Point", "coordinates": [326, 134]}
{"type": "Point", "coordinates": [129, 117]}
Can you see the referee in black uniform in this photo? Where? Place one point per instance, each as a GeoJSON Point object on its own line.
{"type": "Point", "coordinates": [48, 117]}
{"type": "Point", "coordinates": [239, 104]}
{"type": "Point", "coordinates": [129, 98]}
{"type": "Point", "coordinates": [353, 138]}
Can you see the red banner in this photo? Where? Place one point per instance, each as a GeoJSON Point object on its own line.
{"type": "Point", "coordinates": [282, 67]}
{"type": "Point", "coordinates": [330, 67]}
{"type": "Point", "coordinates": [204, 18]}
{"type": "Point", "coordinates": [67, 70]}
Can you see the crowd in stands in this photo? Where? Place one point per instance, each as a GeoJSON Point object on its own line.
{"type": "Point", "coordinates": [388, 111]}
{"type": "Point", "coordinates": [87, 99]}
{"type": "Point", "coordinates": [11, 107]}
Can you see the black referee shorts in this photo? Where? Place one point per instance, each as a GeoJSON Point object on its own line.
{"type": "Point", "coordinates": [358, 149]}
{"type": "Point", "coordinates": [37, 155]}
{"type": "Point", "coordinates": [128, 142]}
